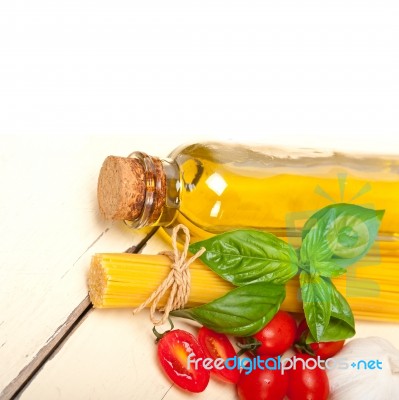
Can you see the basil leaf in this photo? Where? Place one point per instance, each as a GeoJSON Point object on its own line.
{"type": "Point", "coordinates": [314, 218]}
{"type": "Point", "coordinates": [241, 312]}
{"type": "Point", "coordinates": [342, 323]}
{"type": "Point", "coordinates": [328, 269]}
{"type": "Point", "coordinates": [340, 308]}
{"type": "Point", "coordinates": [341, 232]}
{"type": "Point", "coordinates": [336, 330]}
{"type": "Point", "coordinates": [316, 297]}
{"type": "Point", "coordinates": [247, 256]}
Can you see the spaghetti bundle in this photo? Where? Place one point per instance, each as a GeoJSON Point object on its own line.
{"type": "Point", "coordinates": [371, 286]}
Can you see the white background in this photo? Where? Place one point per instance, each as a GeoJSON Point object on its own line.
{"type": "Point", "coordinates": [312, 73]}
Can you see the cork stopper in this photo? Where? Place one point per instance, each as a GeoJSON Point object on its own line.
{"type": "Point", "coordinates": [132, 188]}
{"type": "Point", "coordinates": [121, 188]}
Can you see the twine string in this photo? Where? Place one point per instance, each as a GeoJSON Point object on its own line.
{"type": "Point", "coordinates": [178, 280]}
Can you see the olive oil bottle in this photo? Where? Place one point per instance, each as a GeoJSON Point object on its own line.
{"type": "Point", "coordinates": [216, 187]}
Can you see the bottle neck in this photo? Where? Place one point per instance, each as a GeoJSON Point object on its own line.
{"type": "Point", "coordinates": [161, 191]}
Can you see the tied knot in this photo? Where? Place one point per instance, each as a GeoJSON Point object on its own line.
{"type": "Point", "coordinates": [178, 279]}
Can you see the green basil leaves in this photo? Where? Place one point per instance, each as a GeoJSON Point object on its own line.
{"type": "Point", "coordinates": [327, 312]}
{"type": "Point", "coordinates": [241, 312]}
{"type": "Point", "coordinates": [341, 324]}
{"type": "Point", "coordinates": [259, 264]}
{"type": "Point", "coordinates": [247, 256]}
{"type": "Point", "coordinates": [333, 238]}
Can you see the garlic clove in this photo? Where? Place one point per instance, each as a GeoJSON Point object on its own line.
{"type": "Point", "coordinates": [367, 369]}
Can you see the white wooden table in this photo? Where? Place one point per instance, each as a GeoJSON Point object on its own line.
{"type": "Point", "coordinates": [52, 344]}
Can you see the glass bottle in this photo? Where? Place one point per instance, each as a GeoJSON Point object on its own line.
{"type": "Point", "coordinates": [215, 187]}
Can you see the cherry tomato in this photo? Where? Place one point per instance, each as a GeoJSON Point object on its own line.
{"type": "Point", "coordinates": [217, 346]}
{"type": "Point", "coordinates": [277, 336]}
{"type": "Point", "coordinates": [262, 384]}
{"type": "Point", "coordinates": [174, 350]}
{"type": "Point", "coordinates": [324, 350]}
{"type": "Point", "coordinates": [307, 382]}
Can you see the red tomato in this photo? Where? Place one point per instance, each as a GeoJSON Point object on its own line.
{"type": "Point", "coordinates": [277, 336]}
{"type": "Point", "coordinates": [174, 349]}
{"type": "Point", "coordinates": [307, 383]}
{"type": "Point", "coordinates": [217, 345]}
{"type": "Point", "coordinates": [266, 384]}
{"type": "Point", "coordinates": [324, 350]}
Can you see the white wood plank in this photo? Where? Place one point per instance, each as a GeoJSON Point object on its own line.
{"type": "Point", "coordinates": [112, 355]}
{"type": "Point", "coordinates": [49, 229]}
{"type": "Point", "coordinates": [50, 226]}
{"type": "Point", "coordinates": [49, 221]}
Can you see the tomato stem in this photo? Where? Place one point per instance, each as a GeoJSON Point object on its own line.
{"type": "Point", "coordinates": [159, 335]}
{"type": "Point", "coordinates": [304, 348]}
{"type": "Point", "coordinates": [250, 344]}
